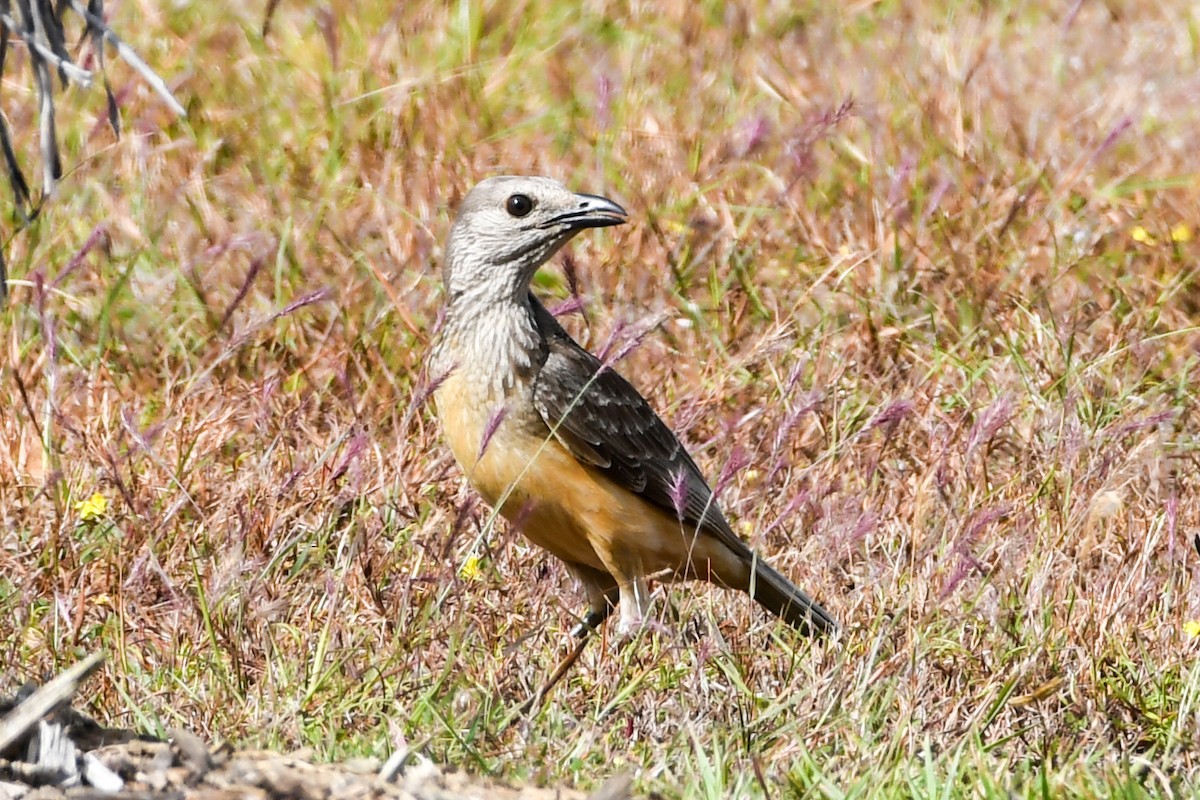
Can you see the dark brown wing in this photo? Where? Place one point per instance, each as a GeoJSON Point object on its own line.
{"type": "Point", "coordinates": [605, 422]}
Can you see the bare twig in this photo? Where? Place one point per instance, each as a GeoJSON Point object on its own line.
{"type": "Point", "coordinates": [34, 37]}
{"type": "Point", "coordinates": [44, 700]}
{"type": "Point", "coordinates": [131, 58]}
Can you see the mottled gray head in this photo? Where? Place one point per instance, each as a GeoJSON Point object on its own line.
{"type": "Point", "coordinates": [509, 226]}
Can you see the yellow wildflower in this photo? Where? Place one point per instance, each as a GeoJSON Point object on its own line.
{"type": "Point", "coordinates": [92, 508]}
{"type": "Point", "coordinates": [1192, 628]}
{"type": "Point", "coordinates": [1142, 236]}
{"type": "Point", "coordinates": [470, 570]}
{"type": "Point", "coordinates": [1181, 233]}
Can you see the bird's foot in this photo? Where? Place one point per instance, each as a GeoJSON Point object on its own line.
{"type": "Point", "coordinates": [582, 630]}
{"type": "Point", "coordinates": [630, 627]}
{"type": "Point", "coordinates": [590, 624]}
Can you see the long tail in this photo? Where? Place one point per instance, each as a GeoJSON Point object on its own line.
{"type": "Point", "coordinates": [788, 602]}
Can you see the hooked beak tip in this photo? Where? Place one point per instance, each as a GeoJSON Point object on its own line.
{"type": "Point", "coordinates": [592, 211]}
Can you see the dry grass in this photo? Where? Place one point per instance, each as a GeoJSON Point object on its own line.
{"type": "Point", "coordinates": [921, 303]}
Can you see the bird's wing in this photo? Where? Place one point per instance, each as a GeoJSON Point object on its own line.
{"type": "Point", "coordinates": [603, 421]}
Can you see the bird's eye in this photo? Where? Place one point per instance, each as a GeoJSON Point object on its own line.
{"type": "Point", "coordinates": [519, 205]}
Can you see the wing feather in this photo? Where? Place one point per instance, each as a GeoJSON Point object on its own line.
{"type": "Point", "coordinates": [603, 421]}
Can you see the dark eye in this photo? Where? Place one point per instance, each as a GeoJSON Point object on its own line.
{"type": "Point", "coordinates": [519, 205]}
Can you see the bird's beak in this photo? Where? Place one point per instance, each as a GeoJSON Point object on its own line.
{"type": "Point", "coordinates": [591, 211]}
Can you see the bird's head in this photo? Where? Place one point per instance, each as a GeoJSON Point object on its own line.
{"type": "Point", "coordinates": [509, 226]}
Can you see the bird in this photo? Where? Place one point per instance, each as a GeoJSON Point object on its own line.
{"type": "Point", "coordinates": [558, 441]}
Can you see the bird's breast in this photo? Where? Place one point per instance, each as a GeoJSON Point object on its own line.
{"type": "Point", "coordinates": [513, 461]}
{"type": "Point", "coordinates": [486, 362]}
{"type": "Point", "coordinates": [571, 509]}
{"type": "Point", "coordinates": [474, 415]}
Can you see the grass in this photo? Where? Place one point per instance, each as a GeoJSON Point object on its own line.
{"type": "Point", "coordinates": [925, 290]}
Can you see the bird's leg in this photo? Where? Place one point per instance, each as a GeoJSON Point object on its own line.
{"type": "Point", "coordinates": [602, 594]}
{"type": "Point", "coordinates": [634, 603]}
{"type": "Point", "coordinates": [602, 591]}
{"type": "Point", "coordinates": [624, 565]}
{"type": "Point", "coordinates": [599, 610]}
{"type": "Point", "coordinates": [560, 671]}
{"type": "Point", "coordinates": [591, 622]}
{"type": "Point", "coordinates": [605, 597]}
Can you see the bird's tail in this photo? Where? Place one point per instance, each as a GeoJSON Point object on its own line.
{"type": "Point", "coordinates": [788, 602]}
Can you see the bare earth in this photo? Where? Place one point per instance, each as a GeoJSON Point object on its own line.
{"type": "Point", "coordinates": [172, 770]}
{"type": "Point", "coordinates": [63, 753]}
